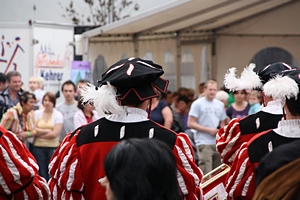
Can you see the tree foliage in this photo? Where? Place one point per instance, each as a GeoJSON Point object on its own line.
{"type": "Point", "coordinates": [101, 11]}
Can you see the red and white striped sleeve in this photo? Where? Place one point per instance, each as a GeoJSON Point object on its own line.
{"type": "Point", "coordinates": [19, 177]}
{"type": "Point", "coordinates": [241, 178]}
{"type": "Point", "coordinates": [189, 174]}
{"type": "Point", "coordinates": [65, 170]}
{"type": "Point", "coordinates": [229, 140]}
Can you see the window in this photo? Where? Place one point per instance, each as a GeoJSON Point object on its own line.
{"type": "Point", "coordinates": [170, 70]}
{"type": "Point", "coordinates": [271, 55]}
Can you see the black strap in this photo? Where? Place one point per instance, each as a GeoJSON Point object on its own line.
{"type": "Point", "coordinates": [10, 196]}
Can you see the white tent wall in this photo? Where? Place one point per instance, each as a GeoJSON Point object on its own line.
{"type": "Point", "coordinates": [235, 51]}
{"type": "Point", "coordinates": [214, 46]}
{"type": "Point", "coordinates": [238, 44]}
{"type": "Point", "coordinates": [111, 51]}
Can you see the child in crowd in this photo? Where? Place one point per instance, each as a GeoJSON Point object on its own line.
{"type": "Point", "coordinates": [254, 101]}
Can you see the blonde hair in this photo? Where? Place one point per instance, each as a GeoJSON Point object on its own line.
{"type": "Point", "coordinates": [210, 82]}
{"type": "Point", "coordinates": [256, 93]}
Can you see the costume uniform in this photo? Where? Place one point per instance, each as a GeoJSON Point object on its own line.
{"type": "Point", "coordinates": [237, 131]}
{"type": "Point", "coordinates": [241, 177]}
{"type": "Point", "coordinates": [232, 136]}
{"type": "Point", "coordinates": [19, 177]}
{"type": "Point", "coordinates": [277, 174]}
{"type": "Point", "coordinates": [77, 164]}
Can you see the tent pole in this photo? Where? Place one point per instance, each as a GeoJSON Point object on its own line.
{"type": "Point", "coordinates": [178, 60]}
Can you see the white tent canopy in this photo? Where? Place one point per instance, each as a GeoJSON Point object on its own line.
{"type": "Point", "coordinates": [187, 15]}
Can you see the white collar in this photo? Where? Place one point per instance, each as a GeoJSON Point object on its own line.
{"type": "Point", "coordinates": [273, 107]}
{"type": "Point", "coordinates": [289, 128]}
{"type": "Point", "coordinates": [131, 115]}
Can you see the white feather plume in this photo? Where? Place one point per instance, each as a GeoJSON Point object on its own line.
{"type": "Point", "coordinates": [231, 82]}
{"type": "Point", "coordinates": [249, 79]}
{"type": "Point", "coordinates": [104, 98]}
{"type": "Point", "coordinates": [281, 87]}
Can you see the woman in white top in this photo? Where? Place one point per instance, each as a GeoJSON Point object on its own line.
{"type": "Point", "coordinates": [85, 115]}
{"type": "Point", "coordinates": [48, 126]}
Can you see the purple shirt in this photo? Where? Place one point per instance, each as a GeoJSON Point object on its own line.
{"type": "Point", "coordinates": [232, 113]}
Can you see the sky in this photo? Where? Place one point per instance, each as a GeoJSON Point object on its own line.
{"type": "Point", "coordinates": [19, 11]}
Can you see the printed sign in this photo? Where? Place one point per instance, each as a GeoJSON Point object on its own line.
{"type": "Point", "coordinates": [81, 70]}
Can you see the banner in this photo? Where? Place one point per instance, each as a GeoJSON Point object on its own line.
{"type": "Point", "coordinates": [81, 70]}
{"type": "Point", "coordinates": [53, 56]}
{"type": "Point", "coordinates": [14, 52]}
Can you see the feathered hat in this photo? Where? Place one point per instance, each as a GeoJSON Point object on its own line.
{"type": "Point", "coordinates": [250, 80]}
{"type": "Point", "coordinates": [284, 85]}
{"type": "Point", "coordinates": [133, 75]}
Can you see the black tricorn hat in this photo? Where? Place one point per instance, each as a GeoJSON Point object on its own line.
{"type": "Point", "coordinates": [135, 75]}
{"type": "Point", "coordinates": [270, 71]}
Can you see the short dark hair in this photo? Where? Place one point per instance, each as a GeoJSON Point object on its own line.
{"type": "Point", "coordinates": [12, 73]}
{"type": "Point", "coordinates": [142, 169]}
{"type": "Point", "coordinates": [2, 77]}
{"type": "Point", "coordinates": [164, 95]}
{"type": "Point", "coordinates": [293, 105]}
{"type": "Point", "coordinates": [25, 96]}
{"type": "Point", "coordinates": [183, 98]}
{"type": "Point", "coordinates": [131, 100]}
{"type": "Point", "coordinates": [83, 81]}
{"type": "Point", "coordinates": [51, 96]}
{"type": "Point", "coordinates": [68, 82]}
{"type": "Point", "coordinates": [242, 91]}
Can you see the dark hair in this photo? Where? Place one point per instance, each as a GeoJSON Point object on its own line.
{"type": "Point", "coordinates": [25, 96]}
{"type": "Point", "coordinates": [80, 104]}
{"type": "Point", "coordinates": [12, 73]}
{"type": "Point", "coordinates": [164, 95]}
{"type": "Point", "coordinates": [293, 105]}
{"type": "Point", "coordinates": [2, 77]}
{"type": "Point", "coordinates": [142, 169]}
{"type": "Point", "coordinates": [183, 98]}
{"type": "Point", "coordinates": [51, 96]}
{"type": "Point", "coordinates": [68, 82]}
{"type": "Point", "coordinates": [131, 100]}
{"type": "Point", "coordinates": [243, 92]}
{"type": "Point", "coordinates": [83, 81]}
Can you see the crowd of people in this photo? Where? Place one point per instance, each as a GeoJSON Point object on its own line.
{"type": "Point", "coordinates": [165, 141]}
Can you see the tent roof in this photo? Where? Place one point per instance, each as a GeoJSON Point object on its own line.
{"type": "Point", "coordinates": [187, 15]}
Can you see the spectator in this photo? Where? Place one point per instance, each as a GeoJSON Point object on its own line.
{"type": "Point", "coordinates": [34, 86]}
{"type": "Point", "coordinates": [175, 96]}
{"type": "Point", "coordinates": [20, 118]}
{"type": "Point", "coordinates": [19, 170]}
{"type": "Point", "coordinates": [205, 116]}
{"type": "Point", "coordinates": [240, 107]}
{"type": "Point", "coordinates": [68, 108]}
{"type": "Point", "coordinates": [161, 112]}
{"type": "Point", "coordinates": [80, 84]}
{"type": "Point", "coordinates": [254, 101]}
{"type": "Point", "coordinates": [148, 171]}
{"type": "Point", "coordinates": [40, 92]}
{"type": "Point", "coordinates": [10, 96]}
{"type": "Point", "coordinates": [168, 97]}
{"type": "Point", "coordinates": [184, 91]}
{"type": "Point", "coordinates": [125, 93]}
{"type": "Point", "coordinates": [2, 82]}
{"type": "Point", "coordinates": [48, 126]}
{"type": "Point", "coordinates": [183, 110]}
{"type": "Point", "coordinates": [223, 97]}
{"type": "Point", "coordinates": [201, 88]}
{"type": "Point", "coordinates": [86, 114]}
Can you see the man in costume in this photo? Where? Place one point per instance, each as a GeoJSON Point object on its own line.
{"type": "Point", "coordinates": [242, 176]}
{"type": "Point", "coordinates": [124, 92]}
{"type": "Point", "coordinates": [277, 173]}
{"type": "Point", "coordinates": [240, 130]}
{"type": "Point", "coordinates": [19, 170]}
